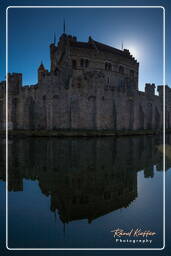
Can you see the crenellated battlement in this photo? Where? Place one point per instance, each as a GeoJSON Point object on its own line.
{"type": "Point", "coordinates": [150, 89]}
{"type": "Point", "coordinates": [14, 82]}
{"type": "Point", "coordinates": [90, 86]}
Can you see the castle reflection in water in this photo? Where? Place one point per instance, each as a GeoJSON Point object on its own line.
{"type": "Point", "coordinates": [84, 177]}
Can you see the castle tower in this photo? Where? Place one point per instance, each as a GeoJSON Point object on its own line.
{"type": "Point", "coordinates": [53, 57]}
{"type": "Point", "coordinates": [41, 72]}
{"type": "Point", "coordinates": [14, 83]}
{"type": "Point", "coordinates": [150, 88]}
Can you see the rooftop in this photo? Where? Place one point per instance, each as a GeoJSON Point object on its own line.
{"type": "Point", "coordinates": [92, 44]}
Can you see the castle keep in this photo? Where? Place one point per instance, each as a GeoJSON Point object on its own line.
{"type": "Point", "coordinates": [90, 86]}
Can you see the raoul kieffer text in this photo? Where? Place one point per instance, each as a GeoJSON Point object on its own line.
{"type": "Point", "coordinates": [132, 233]}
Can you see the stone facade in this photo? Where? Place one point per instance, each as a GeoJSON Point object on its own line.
{"type": "Point", "coordinates": [90, 86]}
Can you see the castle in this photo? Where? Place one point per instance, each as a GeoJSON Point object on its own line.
{"type": "Point", "coordinates": [90, 86]}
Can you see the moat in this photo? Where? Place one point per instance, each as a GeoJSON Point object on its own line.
{"type": "Point", "coordinates": [71, 192]}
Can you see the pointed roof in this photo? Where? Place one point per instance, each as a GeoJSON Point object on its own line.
{"type": "Point", "coordinates": [41, 67]}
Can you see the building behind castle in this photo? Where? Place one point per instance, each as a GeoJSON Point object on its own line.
{"type": "Point", "coordinates": [90, 86]}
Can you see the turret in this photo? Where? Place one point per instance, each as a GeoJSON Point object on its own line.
{"type": "Point", "coordinates": [160, 90]}
{"type": "Point", "coordinates": [41, 72]}
{"type": "Point", "coordinates": [167, 93]}
{"type": "Point", "coordinates": [150, 89]}
{"type": "Point", "coordinates": [14, 82]}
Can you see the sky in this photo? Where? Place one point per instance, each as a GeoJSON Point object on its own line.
{"type": "Point", "coordinates": [31, 30]}
{"type": "Point", "coordinates": [30, 35]}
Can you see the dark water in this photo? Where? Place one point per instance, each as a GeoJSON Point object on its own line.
{"type": "Point", "coordinates": [70, 192]}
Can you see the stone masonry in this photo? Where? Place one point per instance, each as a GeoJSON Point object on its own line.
{"type": "Point", "coordinates": [90, 86]}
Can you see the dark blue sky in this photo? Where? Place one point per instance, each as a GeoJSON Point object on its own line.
{"type": "Point", "coordinates": [31, 31]}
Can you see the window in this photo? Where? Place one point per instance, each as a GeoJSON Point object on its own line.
{"type": "Point", "coordinates": [81, 62]}
{"type": "Point", "coordinates": [84, 63]}
{"type": "Point", "coordinates": [108, 66]}
{"type": "Point", "coordinates": [74, 64]}
{"type": "Point", "coordinates": [121, 69]}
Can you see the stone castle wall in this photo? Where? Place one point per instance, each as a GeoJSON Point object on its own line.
{"type": "Point", "coordinates": [50, 107]}
{"type": "Point", "coordinates": [90, 86]}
